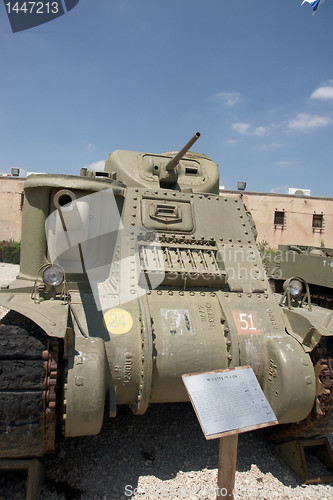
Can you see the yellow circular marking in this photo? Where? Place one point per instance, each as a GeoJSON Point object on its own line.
{"type": "Point", "coordinates": [118, 321]}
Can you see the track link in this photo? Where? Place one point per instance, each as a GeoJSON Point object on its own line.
{"type": "Point", "coordinates": [320, 420]}
{"type": "Point", "coordinates": [28, 376]}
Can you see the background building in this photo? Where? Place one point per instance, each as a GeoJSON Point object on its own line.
{"type": "Point", "coordinates": [279, 218]}
{"type": "Point", "coordinates": [283, 219]}
{"type": "Point", "coordinates": [11, 204]}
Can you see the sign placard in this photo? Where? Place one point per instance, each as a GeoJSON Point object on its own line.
{"type": "Point", "coordinates": [228, 401]}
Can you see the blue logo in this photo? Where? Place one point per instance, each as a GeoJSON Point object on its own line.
{"type": "Point", "coordinates": [24, 15]}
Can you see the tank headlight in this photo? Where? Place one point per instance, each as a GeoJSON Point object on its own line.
{"type": "Point", "coordinates": [295, 287]}
{"type": "Point", "coordinates": [53, 276]}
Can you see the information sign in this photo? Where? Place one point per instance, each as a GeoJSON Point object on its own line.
{"type": "Point", "coordinates": [228, 401]}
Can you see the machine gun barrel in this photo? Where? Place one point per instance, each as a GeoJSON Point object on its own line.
{"type": "Point", "coordinates": [171, 165]}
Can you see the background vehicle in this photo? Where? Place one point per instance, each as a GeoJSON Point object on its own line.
{"type": "Point", "coordinates": [313, 264]}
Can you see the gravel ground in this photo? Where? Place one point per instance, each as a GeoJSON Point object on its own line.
{"type": "Point", "coordinates": [162, 454]}
{"type": "Point", "coordinates": [8, 273]}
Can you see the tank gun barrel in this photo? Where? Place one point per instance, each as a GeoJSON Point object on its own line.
{"type": "Point", "coordinates": [171, 165]}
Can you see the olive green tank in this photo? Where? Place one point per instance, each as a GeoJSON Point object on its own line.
{"type": "Point", "coordinates": [130, 278]}
{"type": "Point", "coordinates": [313, 264]}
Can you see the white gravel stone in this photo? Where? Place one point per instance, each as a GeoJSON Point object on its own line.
{"type": "Point", "coordinates": [8, 273]}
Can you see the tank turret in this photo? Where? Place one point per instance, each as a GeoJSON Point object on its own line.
{"type": "Point", "coordinates": [182, 171]}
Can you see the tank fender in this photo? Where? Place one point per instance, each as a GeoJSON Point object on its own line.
{"type": "Point", "coordinates": [86, 387]}
{"type": "Point", "coordinates": [289, 383]}
{"type": "Point", "coordinates": [51, 316]}
{"type": "Point", "coordinates": [308, 327]}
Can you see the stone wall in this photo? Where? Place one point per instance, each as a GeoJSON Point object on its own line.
{"type": "Point", "coordinates": [11, 203]}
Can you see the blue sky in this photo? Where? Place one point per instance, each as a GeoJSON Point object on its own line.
{"type": "Point", "coordinates": [255, 78]}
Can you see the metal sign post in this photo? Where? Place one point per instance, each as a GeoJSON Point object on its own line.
{"type": "Point", "coordinates": [226, 403]}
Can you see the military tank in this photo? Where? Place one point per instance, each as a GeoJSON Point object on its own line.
{"type": "Point", "coordinates": [313, 264]}
{"type": "Point", "coordinates": [133, 276]}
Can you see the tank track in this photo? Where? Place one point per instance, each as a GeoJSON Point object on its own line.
{"type": "Point", "coordinates": [321, 298]}
{"type": "Point", "coordinates": [28, 381]}
{"type": "Point", "coordinates": [320, 420]}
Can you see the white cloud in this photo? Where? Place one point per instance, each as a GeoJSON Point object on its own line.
{"type": "Point", "coordinates": [232, 141]}
{"type": "Point", "coordinates": [271, 145]}
{"type": "Point", "coordinates": [261, 131]}
{"type": "Point", "coordinates": [97, 165]}
{"type": "Point", "coordinates": [303, 121]}
{"type": "Point", "coordinates": [286, 163]}
{"type": "Point", "coordinates": [228, 98]}
{"type": "Point", "coordinates": [280, 190]}
{"type": "Point", "coordinates": [323, 92]}
{"type": "Point", "coordinates": [241, 128]}
{"type": "Point", "coordinates": [247, 129]}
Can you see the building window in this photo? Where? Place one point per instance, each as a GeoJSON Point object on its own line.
{"type": "Point", "coordinates": [318, 222]}
{"type": "Point", "coordinates": [279, 219]}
